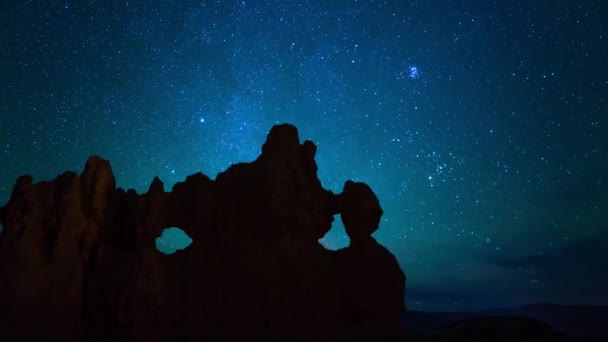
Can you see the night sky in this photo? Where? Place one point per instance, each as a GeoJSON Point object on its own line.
{"type": "Point", "coordinates": [481, 125]}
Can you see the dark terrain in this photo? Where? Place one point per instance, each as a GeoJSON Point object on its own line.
{"type": "Point", "coordinates": [78, 262]}
{"type": "Point", "coordinates": [566, 322]}
{"type": "Point", "coordinates": [78, 259]}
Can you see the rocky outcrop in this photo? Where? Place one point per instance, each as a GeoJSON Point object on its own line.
{"type": "Point", "coordinates": [373, 283]}
{"type": "Point", "coordinates": [78, 258]}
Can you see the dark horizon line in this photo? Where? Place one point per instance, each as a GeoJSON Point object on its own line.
{"type": "Point", "coordinates": [510, 308]}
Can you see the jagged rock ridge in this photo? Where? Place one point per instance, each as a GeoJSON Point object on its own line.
{"type": "Point", "coordinates": [78, 258]}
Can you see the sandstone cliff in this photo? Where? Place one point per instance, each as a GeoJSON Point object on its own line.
{"type": "Point", "coordinates": [78, 258]}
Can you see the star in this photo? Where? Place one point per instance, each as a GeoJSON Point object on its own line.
{"type": "Point", "coordinates": [414, 73]}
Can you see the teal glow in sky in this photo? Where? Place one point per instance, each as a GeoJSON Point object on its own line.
{"type": "Point", "coordinates": [481, 125]}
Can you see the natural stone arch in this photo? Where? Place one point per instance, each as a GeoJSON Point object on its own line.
{"type": "Point", "coordinates": [172, 239]}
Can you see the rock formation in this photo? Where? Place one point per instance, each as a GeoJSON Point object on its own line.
{"type": "Point", "coordinates": [374, 285]}
{"type": "Point", "coordinates": [78, 259]}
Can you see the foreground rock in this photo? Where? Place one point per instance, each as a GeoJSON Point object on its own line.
{"type": "Point", "coordinates": [78, 259]}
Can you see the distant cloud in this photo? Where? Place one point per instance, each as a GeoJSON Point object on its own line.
{"type": "Point", "coordinates": [582, 254]}
{"type": "Point", "coordinates": [573, 272]}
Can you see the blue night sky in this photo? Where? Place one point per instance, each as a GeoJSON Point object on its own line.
{"type": "Point", "coordinates": [481, 125]}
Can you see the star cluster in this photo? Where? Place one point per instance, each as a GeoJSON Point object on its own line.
{"type": "Point", "coordinates": [481, 125]}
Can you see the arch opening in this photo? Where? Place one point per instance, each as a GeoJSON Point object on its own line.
{"type": "Point", "coordinates": [172, 239]}
{"type": "Point", "coordinates": [336, 237]}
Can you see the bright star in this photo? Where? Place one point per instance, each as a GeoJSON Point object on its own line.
{"type": "Point", "coordinates": [414, 72]}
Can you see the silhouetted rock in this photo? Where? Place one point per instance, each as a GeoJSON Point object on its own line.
{"type": "Point", "coordinates": [78, 258]}
{"type": "Point", "coordinates": [50, 245]}
{"type": "Point", "coordinates": [374, 285]}
{"type": "Point", "coordinates": [360, 210]}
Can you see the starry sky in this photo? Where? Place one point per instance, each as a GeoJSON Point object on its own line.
{"type": "Point", "coordinates": [481, 125]}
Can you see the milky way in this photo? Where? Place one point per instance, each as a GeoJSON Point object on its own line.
{"type": "Point", "coordinates": [481, 125]}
